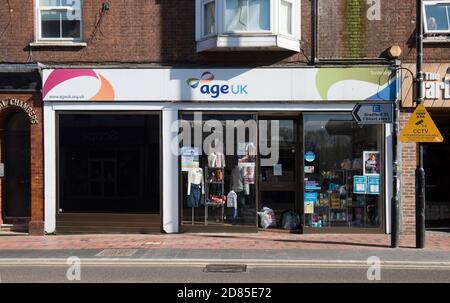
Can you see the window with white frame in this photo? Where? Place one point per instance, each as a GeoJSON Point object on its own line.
{"type": "Point", "coordinates": [209, 17]}
{"type": "Point", "coordinates": [59, 20]}
{"type": "Point", "coordinates": [286, 16]}
{"type": "Point", "coordinates": [436, 17]}
{"type": "Point", "coordinates": [247, 24]}
{"type": "Point", "coordinates": [247, 15]}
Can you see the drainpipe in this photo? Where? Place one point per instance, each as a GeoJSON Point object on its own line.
{"type": "Point", "coordinates": [315, 31]}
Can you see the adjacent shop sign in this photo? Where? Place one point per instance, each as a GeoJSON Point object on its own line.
{"type": "Point", "coordinates": [373, 113]}
{"type": "Point", "coordinates": [421, 128]}
{"type": "Point", "coordinates": [221, 84]}
{"type": "Point", "coordinates": [28, 109]}
{"type": "Point", "coordinates": [436, 85]}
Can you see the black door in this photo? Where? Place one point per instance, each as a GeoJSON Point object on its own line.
{"type": "Point", "coordinates": [437, 165]}
{"type": "Point", "coordinates": [17, 193]}
{"type": "Point", "coordinates": [279, 183]}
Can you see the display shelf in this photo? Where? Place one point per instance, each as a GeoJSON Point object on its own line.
{"type": "Point", "coordinates": [208, 201]}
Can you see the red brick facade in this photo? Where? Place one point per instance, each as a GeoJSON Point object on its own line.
{"type": "Point", "coordinates": [162, 32]}
{"type": "Point", "coordinates": [408, 167]}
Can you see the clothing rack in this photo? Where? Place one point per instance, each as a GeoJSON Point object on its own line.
{"type": "Point", "coordinates": [208, 183]}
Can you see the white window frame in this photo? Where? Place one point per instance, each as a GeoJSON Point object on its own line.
{"type": "Point", "coordinates": [38, 26]}
{"type": "Point", "coordinates": [203, 4]}
{"type": "Point", "coordinates": [273, 39]}
{"type": "Point", "coordinates": [425, 23]}
{"type": "Point", "coordinates": [293, 21]}
{"type": "Point", "coordinates": [271, 12]}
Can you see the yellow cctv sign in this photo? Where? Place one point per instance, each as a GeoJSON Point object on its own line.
{"type": "Point", "coordinates": [421, 128]}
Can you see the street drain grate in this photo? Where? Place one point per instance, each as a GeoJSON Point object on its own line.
{"type": "Point", "coordinates": [152, 243]}
{"type": "Point", "coordinates": [116, 253]}
{"type": "Point", "coordinates": [225, 268]}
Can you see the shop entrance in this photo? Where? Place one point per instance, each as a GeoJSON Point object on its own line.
{"type": "Point", "coordinates": [436, 164]}
{"type": "Point", "coordinates": [279, 184]}
{"type": "Point", "coordinates": [16, 156]}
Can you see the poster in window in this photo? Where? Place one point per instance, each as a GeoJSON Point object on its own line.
{"type": "Point", "coordinates": [373, 185]}
{"type": "Point", "coordinates": [360, 184]}
{"type": "Point", "coordinates": [309, 208]}
{"type": "Point", "coordinates": [247, 152]}
{"type": "Point", "coordinates": [371, 161]}
{"type": "Point", "coordinates": [189, 158]}
{"type": "Point", "coordinates": [249, 172]}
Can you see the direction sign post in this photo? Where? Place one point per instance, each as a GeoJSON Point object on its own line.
{"type": "Point", "coordinates": [373, 113]}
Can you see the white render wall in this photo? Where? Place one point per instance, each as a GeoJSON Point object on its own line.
{"type": "Point", "coordinates": [170, 161]}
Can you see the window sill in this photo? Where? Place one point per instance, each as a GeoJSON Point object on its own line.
{"type": "Point", "coordinates": [268, 42]}
{"type": "Point", "coordinates": [58, 44]}
{"type": "Point", "coordinates": [436, 39]}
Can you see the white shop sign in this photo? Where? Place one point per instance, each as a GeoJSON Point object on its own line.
{"type": "Point", "coordinates": [259, 84]}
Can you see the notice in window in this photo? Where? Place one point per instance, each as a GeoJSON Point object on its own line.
{"type": "Point", "coordinates": [277, 170]}
{"type": "Point", "coordinates": [359, 184]}
{"type": "Point", "coordinates": [373, 185]}
{"type": "Point", "coordinates": [309, 207]}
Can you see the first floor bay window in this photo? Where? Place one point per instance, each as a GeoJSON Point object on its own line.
{"type": "Point", "coordinates": [247, 25]}
{"type": "Point", "coordinates": [59, 20]}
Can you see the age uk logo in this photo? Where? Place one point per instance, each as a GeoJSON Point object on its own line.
{"type": "Point", "coordinates": [216, 90]}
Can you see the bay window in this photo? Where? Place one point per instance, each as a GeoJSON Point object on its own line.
{"type": "Point", "coordinates": [247, 25]}
{"type": "Point", "coordinates": [59, 20]}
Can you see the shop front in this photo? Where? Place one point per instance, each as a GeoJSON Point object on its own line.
{"type": "Point", "coordinates": [21, 150]}
{"type": "Point", "coordinates": [217, 150]}
{"type": "Point", "coordinates": [436, 160]}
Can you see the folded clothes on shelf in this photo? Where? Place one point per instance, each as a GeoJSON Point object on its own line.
{"type": "Point", "coordinates": [217, 199]}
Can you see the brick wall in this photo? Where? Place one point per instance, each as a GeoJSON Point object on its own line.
{"type": "Point", "coordinates": [163, 32]}
{"type": "Point", "coordinates": [408, 167]}
{"type": "Point", "coordinates": [142, 31]}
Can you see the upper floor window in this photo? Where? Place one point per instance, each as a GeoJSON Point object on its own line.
{"type": "Point", "coordinates": [247, 15]}
{"type": "Point", "coordinates": [436, 17]}
{"type": "Point", "coordinates": [59, 20]}
{"type": "Point", "coordinates": [247, 24]}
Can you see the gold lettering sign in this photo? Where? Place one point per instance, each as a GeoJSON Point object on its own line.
{"type": "Point", "coordinates": [28, 109]}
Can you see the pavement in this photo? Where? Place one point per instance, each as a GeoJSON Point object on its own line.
{"type": "Point", "coordinates": [260, 249]}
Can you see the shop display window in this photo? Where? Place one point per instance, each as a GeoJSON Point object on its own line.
{"type": "Point", "coordinates": [343, 172]}
{"type": "Point", "coordinates": [109, 163]}
{"type": "Point", "coordinates": [218, 187]}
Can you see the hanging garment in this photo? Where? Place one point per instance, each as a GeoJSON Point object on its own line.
{"type": "Point", "coordinates": [237, 179]}
{"type": "Point", "coordinates": [195, 196]}
{"type": "Point", "coordinates": [232, 199]}
{"type": "Point", "coordinates": [216, 159]}
{"type": "Point", "coordinates": [195, 176]}
{"type": "Point", "coordinates": [215, 189]}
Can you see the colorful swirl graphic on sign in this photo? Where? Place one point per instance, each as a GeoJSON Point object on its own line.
{"type": "Point", "coordinates": [205, 78]}
{"type": "Point", "coordinates": [58, 76]}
